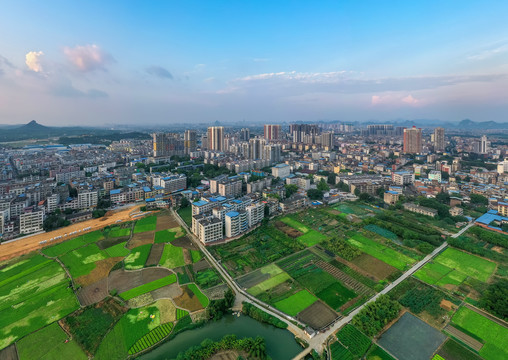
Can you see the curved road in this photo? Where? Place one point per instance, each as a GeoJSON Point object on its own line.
{"type": "Point", "coordinates": [317, 342]}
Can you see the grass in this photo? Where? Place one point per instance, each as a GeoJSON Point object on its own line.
{"type": "Point", "coordinates": [381, 252]}
{"type": "Point", "coordinates": [118, 250]}
{"type": "Point", "coordinates": [164, 236]}
{"type": "Point", "coordinates": [494, 335]}
{"type": "Point", "coordinates": [295, 224]}
{"type": "Point", "coordinates": [339, 352]}
{"type": "Point", "coordinates": [130, 328]}
{"type": "Point", "coordinates": [152, 338]}
{"type": "Point", "coordinates": [336, 295]}
{"type": "Point", "coordinates": [153, 285]}
{"type": "Point", "coordinates": [172, 257]}
{"type": "Point", "coordinates": [268, 284]}
{"type": "Point", "coordinates": [93, 236]}
{"type": "Point", "coordinates": [207, 278]}
{"type": "Point", "coordinates": [196, 255]}
{"type": "Point", "coordinates": [296, 303]}
{"type": "Point", "coordinates": [35, 311]}
{"type": "Point", "coordinates": [452, 350]}
{"type": "Point", "coordinates": [145, 224]}
{"type": "Point", "coordinates": [354, 340]}
{"type": "Point", "coordinates": [20, 268]}
{"type": "Point", "coordinates": [82, 260]}
{"type": "Point", "coordinates": [311, 238]}
{"type": "Point", "coordinates": [315, 279]}
{"type": "Point", "coordinates": [137, 257]}
{"type": "Point", "coordinates": [201, 297]}
{"type": "Point", "coordinates": [49, 343]}
{"type": "Point", "coordinates": [186, 215]}
{"type": "Point", "coordinates": [432, 272]}
{"type": "Point", "coordinates": [119, 232]}
{"type": "Point", "coordinates": [64, 247]}
{"type": "Point", "coordinates": [378, 354]}
{"type": "Point", "coordinates": [472, 265]}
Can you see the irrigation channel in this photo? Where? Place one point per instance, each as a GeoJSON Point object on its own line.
{"type": "Point", "coordinates": [280, 344]}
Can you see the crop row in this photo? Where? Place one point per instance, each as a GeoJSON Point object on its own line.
{"type": "Point", "coordinates": [153, 337]}
{"type": "Point", "coordinates": [180, 313]}
{"type": "Point", "coordinates": [354, 340]}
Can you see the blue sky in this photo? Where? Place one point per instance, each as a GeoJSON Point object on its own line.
{"type": "Point", "coordinates": [93, 62]}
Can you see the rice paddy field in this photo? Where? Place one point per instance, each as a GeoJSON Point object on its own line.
{"type": "Point", "coordinates": [452, 267]}
{"type": "Point", "coordinates": [37, 297]}
{"type": "Point", "coordinates": [493, 335]}
{"type": "Point", "coordinates": [296, 303]}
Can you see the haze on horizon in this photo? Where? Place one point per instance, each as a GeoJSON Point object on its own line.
{"type": "Point", "coordinates": [126, 62]}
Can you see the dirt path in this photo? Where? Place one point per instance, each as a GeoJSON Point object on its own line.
{"type": "Point", "coordinates": [26, 245]}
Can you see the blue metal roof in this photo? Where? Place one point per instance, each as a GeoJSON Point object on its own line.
{"type": "Point", "coordinates": [232, 214]}
{"type": "Point", "coordinates": [200, 203]}
{"type": "Point", "coordinates": [116, 191]}
{"type": "Point", "coordinates": [146, 189]}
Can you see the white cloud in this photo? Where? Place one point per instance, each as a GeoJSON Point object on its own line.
{"type": "Point", "coordinates": [33, 60]}
{"type": "Point", "coordinates": [396, 100]}
{"type": "Point", "coordinates": [88, 57]}
{"type": "Point", "coordinates": [486, 54]}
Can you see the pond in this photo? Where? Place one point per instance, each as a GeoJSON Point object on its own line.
{"type": "Point", "coordinates": [280, 344]}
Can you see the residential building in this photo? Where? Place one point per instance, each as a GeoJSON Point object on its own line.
{"type": "Point", "coordinates": [502, 208]}
{"type": "Point", "coordinates": [272, 132]}
{"type": "Point", "coordinates": [189, 141]}
{"type": "Point", "coordinates": [391, 197]}
{"type": "Point", "coordinates": [413, 140]}
{"type": "Point", "coordinates": [435, 175]}
{"type": "Point", "coordinates": [207, 229]}
{"type": "Point", "coordinates": [439, 139]}
{"type": "Point", "coordinates": [255, 213]}
{"type": "Point", "coordinates": [281, 171]}
{"type": "Point", "coordinates": [420, 209]}
{"type": "Point", "coordinates": [294, 203]}
{"type": "Point", "coordinates": [30, 222]}
{"type": "Point", "coordinates": [236, 222]}
{"type": "Point", "coordinates": [403, 178]}
{"type": "Point", "coordinates": [167, 144]}
{"type": "Point", "coordinates": [87, 199]}
{"type": "Point", "coordinates": [216, 138]}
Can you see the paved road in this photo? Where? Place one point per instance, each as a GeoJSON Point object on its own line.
{"type": "Point", "coordinates": [318, 341]}
{"type": "Point", "coordinates": [242, 295]}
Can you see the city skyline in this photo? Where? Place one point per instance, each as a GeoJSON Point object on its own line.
{"type": "Point", "coordinates": [124, 63]}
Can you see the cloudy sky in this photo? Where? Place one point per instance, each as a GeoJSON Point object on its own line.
{"type": "Point", "coordinates": [160, 62]}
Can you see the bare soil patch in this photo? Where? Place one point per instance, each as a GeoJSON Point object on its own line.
{"type": "Point", "coordinates": [93, 293]}
{"type": "Point", "coordinates": [155, 255]}
{"type": "Point", "coordinates": [26, 245]}
{"type": "Point", "coordinates": [230, 355]}
{"type": "Point", "coordinates": [152, 274]}
{"type": "Point", "coordinates": [101, 271]}
{"type": "Point", "coordinates": [140, 239]}
{"type": "Point", "coordinates": [166, 221]}
{"type": "Point", "coordinates": [167, 292]}
{"type": "Point", "coordinates": [317, 316]}
{"type": "Point", "coordinates": [9, 353]}
{"type": "Point", "coordinates": [187, 256]}
{"type": "Point", "coordinates": [184, 242]}
{"type": "Point", "coordinates": [188, 300]}
{"type": "Point", "coordinates": [376, 268]}
{"type": "Point", "coordinates": [167, 310]}
{"type": "Point", "coordinates": [288, 230]}
{"type": "Point", "coordinates": [122, 280]}
{"type": "Point", "coordinates": [201, 265]}
{"type": "Point", "coordinates": [356, 268]}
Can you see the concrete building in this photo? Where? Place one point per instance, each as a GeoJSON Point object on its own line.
{"type": "Point", "coordinates": [236, 222]}
{"type": "Point", "coordinates": [420, 209]}
{"type": "Point", "coordinates": [31, 222]}
{"type": "Point", "coordinates": [216, 138]}
{"type": "Point", "coordinates": [189, 141]}
{"type": "Point", "coordinates": [272, 132]}
{"type": "Point", "coordinates": [403, 178]}
{"type": "Point", "coordinates": [391, 197]}
{"type": "Point", "coordinates": [502, 208]}
{"type": "Point", "coordinates": [281, 171]}
{"type": "Point", "coordinates": [255, 213]}
{"type": "Point", "coordinates": [174, 183]}
{"type": "Point", "coordinates": [294, 203]}
{"type": "Point", "coordinates": [207, 229]}
{"type": "Point", "coordinates": [456, 211]}
{"type": "Point", "coordinates": [167, 144]}
{"type": "Point", "coordinates": [413, 140]}
{"type": "Point", "coordinates": [87, 199]}
{"type": "Point", "coordinates": [439, 139]}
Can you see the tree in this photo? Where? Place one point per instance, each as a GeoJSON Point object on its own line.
{"type": "Point", "coordinates": [140, 165]}
{"type": "Point", "coordinates": [290, 189]}
{"type": "Point", "coordinates": [331, 178]}
{"type": "Point", "coordinates": [315, 194]}
{"type": "Point", "coordinates": [357, 192]}
{"type": "Point", "coordinates": [380, 192]}
{"type": "Point", "coordinates": [495, 299]}
{"type": "Point", "coordinates": [479, 199]}
{"type": "Point", "coordinates": [322, 185]}
{"type": "Point", "coordinates": [184, 203]}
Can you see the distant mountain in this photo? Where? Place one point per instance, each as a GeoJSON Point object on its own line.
{"type": "Point", "coordinates": [34, 130]}
{"type": "Point", "coordinates": [465, 124]}
{"type": "Point", "coordinates": [486, 125]}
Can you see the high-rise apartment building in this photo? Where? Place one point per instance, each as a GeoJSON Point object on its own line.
{"type": "Point", "coordinates": [272, 132]}
{"type": "Point", "coordinates": [167, 144]}
{"type": "Point", "coordinates": [216, 138]}
{"type": "Point", "coordinates": [189, 141]}
{"type": "Point", "coordinates": [439, 139]}
{"type": "Point", "coordinates": [327, 140]}
{"type": "Point", "coordinates": [303, 132]}
{"type": "Point", "coordinates": [413, 140]}
{"type": "Point", "coordinates": [245, 134]}
{"type": "Point", "coordinates": [484, 146]}
{"type": "Point", "coordinates": [256, 148]}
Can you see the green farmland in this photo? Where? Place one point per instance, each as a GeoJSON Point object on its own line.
{"type": "Point", "coordinates": [474, 266]}
{"type": "Point", "coordinates": [143, 289]}
{"type": "Point", "coordinates": [381, 252]}
{"type": "Point", "coordinates": [296, 303]}
{"type": "Point", "coordinates": [493, 335]}
{"type": "Point", "coordinates": [172, 257]}
{"type": "Point", "coordinates": [145, 224]}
